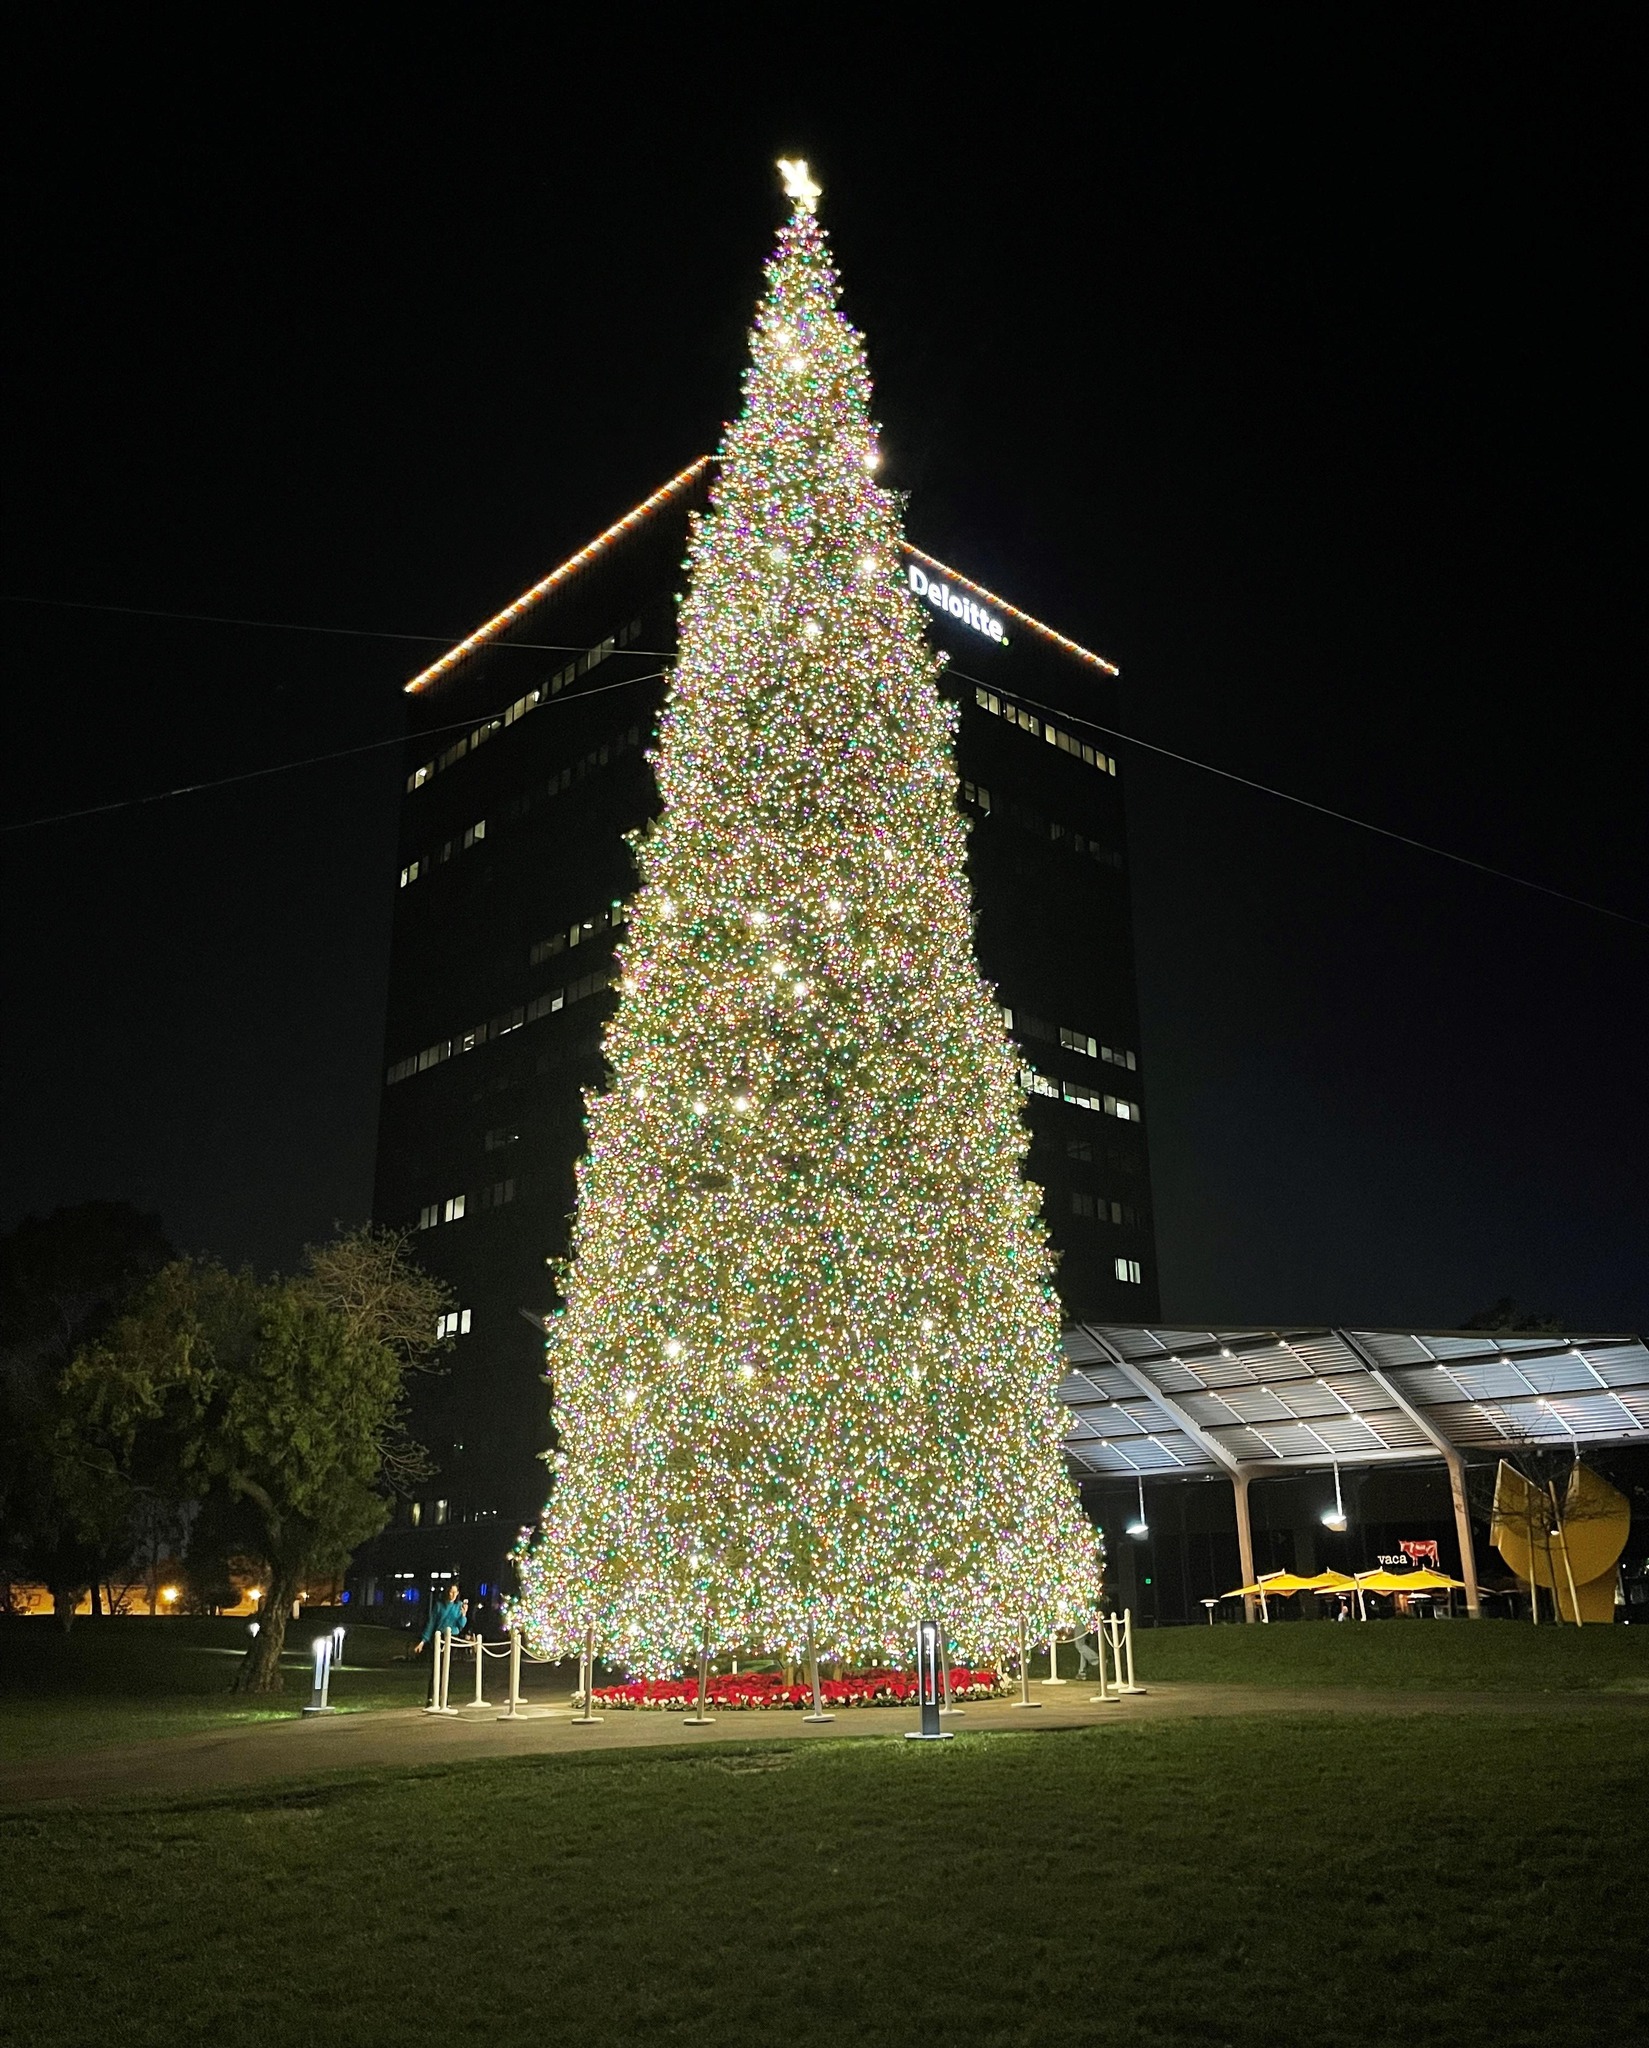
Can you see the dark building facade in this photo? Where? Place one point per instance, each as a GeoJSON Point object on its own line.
{"type": "Point", "coordinates": [527, 770]}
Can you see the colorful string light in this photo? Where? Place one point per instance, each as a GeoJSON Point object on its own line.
{"type": "Point", "coordinates": [804, 1376]}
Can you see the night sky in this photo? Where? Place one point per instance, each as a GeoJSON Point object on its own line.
{"type": "Point", "coordinates": [1289, 363]}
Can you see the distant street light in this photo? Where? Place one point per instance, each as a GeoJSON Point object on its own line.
{"type": "Point", "coordinates": [1139, 1528]}
{"type": "Point", "coordinates": [1335, 1517]}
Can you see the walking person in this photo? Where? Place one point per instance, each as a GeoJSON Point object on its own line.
{"type": "Point", "coordinates": [446, 1613]}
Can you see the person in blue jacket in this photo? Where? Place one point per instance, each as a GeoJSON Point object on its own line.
{"type": "Point", "coordinates": [448, 1613]}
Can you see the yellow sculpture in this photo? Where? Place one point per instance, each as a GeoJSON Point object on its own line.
{"type": "Point", "coordinates": [1572, 1553]}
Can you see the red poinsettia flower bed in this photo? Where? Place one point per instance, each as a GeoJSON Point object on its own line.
{"type": "Point", "coordinates": [751, 1689]}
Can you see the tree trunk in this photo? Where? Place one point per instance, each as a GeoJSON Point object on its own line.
{"type": "Point", "coordinates": [261, 1669]}
{"type": "Point", "coordinates": [97, 1602]}
{"type": "Point", "coordinates": [64, 1601]}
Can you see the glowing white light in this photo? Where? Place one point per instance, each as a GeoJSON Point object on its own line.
{"type": "Point", "coordinates": [868, 566]}
{"type": "Point", "coordinates": [798, 988]}
{"type": "Point", "coordinates": [796, 365]}
{"type": "Point", "coordinates": [629, 1397]}
{"type": "Point", "coordinates": [873, 460]}
{"type": "Point", "coordinates": [812, 629]}
{"type": "Point", "coordinates": [799, 182]}
{"type": "Point", "coordinates": [665, 907]}
{"type": "Point", "coordinates": [835, 906]}
{"type": "Point", "coordinates": [927, 1323]}
{"type": "Point", "coordinates": [741, 1102]}
{"type": "Point", "coordinates": [672, 1347]}
{"type": "Point", "coordinates": [700, 1108]}
{"type": "Point", "coordinates": [758, 917]}
{"type": "Point", "coordinates": [747, 1372]}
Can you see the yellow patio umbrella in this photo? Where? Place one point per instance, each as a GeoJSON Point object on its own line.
{"type": "Point", "coordinates": [1269, 1583]}
{"type": "Point", "coordinates": [1408, 1582]}
{"type": "Point", "coordinates": [1329, 1582]}
{"type": "Point", "coordinates": [1273, 1582]}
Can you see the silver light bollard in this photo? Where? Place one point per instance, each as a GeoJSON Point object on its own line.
{"type": "Point", "coordinates": [318, 1703]}
{"type": "Point", "coordinates": [927, 1686]}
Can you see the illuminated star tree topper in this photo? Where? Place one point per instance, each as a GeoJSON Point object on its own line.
{"type": "Point", "coordinates": [804, 1375]}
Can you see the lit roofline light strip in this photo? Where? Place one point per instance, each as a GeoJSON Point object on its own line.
{"type": "Point", "coordinates": [1013, 611]}
{"type": "Point", "coordinates": [570, 567]}
{"type": "Point", "coordinates": [633, 518]}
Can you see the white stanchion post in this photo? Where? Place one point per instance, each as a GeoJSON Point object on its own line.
{"type": "Point", "coordinates": [441, 1677]}
{"type": "Point", "coordinates": [1122, 1651]}
{"type": "Point", "coordinates": [1024, 1699]}
{"type": "Point", "coordinates": [1053, 1659]}
{"type": "Point", "coordinates": [480, 1699]}
{"type": "Point", "coordinates": [1105, 1697]}
{"type": "Point", "coordinates": [515, 1670]}
{"type": "Point", "coordinates": [818, 1713]}
{"type": "Point", "coordinates": [589, 1717]}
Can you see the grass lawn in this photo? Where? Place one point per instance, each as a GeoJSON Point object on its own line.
{"type": "Point", "coordinates": [1453, 1656]}
{"type": "Point", "coordinates": [128, 1679]}
{"type": "Point", "coordinates": [1361, 1882]}
{"type": "Point", "coordinates": [133, 1679]}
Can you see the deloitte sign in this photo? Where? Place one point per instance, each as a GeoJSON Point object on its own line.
{"type": "Point", "coordinates": [944, 599]}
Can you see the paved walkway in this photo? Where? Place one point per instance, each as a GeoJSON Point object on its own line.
{"type": "Point", "coordinates": [267, 1752]}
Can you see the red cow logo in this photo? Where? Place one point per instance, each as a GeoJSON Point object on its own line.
{"type": "Point", "coordinates": [1422, 1551]}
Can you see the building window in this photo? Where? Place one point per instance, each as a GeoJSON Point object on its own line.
{"type": "Point", "coordinates": [1128, 1269]}
{"type": "Point", "coordinates": [429, 1216]}
{"type": "Point", "coordinates": [1084, 1098]}
{"type": "Point", "coordinates": [1078, 1041]}
{"type": "Point", "coordinates": [497, 1140]}
{"type": "Point", "coordinates": [1080, 1148]}
{"type": "Point", "coordinates": [587, 928]}
{"type": "Point", "coordinates": [506, 1021]}
{"type": "Point", "coordinates": [455, 1323]}
{"type": "Point", "coordinates": [1044, 729]}
{"type": "Point", "coordinates": [476, 831]}
{"type": "Point", "coordinates": [1128, 1111]}
{"type": "Point", "coordinates": [452, 1209]}
{"type": "Point", "coordinates": [411, 872]}
{"type": "Point", "coordinates": [978, 795]}
{"type": "Point", "coordinates": [498, 1194]}
{"type": "Point", "coordinates": [1118, 1058]}
{"type": "Point", "coordinates": [420, 776]}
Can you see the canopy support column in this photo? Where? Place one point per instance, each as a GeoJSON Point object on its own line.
{"type": "Point", "coordinates": [1451, 1458]}
{"type": "Point", "coordinates": [1463, 1531]}
{"type": "Point", "coordinates": [1245, 1540]}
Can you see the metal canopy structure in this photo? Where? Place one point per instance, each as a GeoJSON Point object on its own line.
{"type": "Point", "coordinates": [1156, 1403]}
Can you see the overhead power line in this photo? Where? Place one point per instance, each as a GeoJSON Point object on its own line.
{"type": "Point", "coordinates": [160, 796]}
{"type": "Point", "coordinates": [145, 611]}
{"type": "Point", "coordinates": [1463, 860]}
{"type": "Point", "coordinates": [1305, 803]}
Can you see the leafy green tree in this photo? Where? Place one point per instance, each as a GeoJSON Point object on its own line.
{"type": "Point", "coordinates": [1513, 1317]}
{"type": "Point", "coordinates": [285, 1398]}
{"type": "Point", "coordinates": [68, 1508]}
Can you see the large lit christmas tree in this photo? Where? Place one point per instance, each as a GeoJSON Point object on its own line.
{"type": "Point", "coordinates": [804, 1375]}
